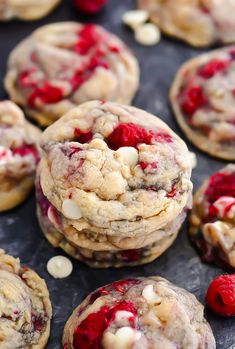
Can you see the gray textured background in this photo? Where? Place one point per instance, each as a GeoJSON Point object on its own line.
{"type": "Point", "coordinates": [19, 232]}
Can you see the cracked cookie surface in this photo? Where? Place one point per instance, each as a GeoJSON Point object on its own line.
{"type": "Point", "coordinates": [198, 22]}
{"type": "Point", "coordinates": [203, 100]}
{"type": "Point", "coordinates": [24, 306]}
{"type": "Point", "coordinates": [19, 155]}
{"type": "Point", "coordinates": [139, 313]}
{"type": "Point", "coordinates": [65, 64]}
{"type": "Point", "coordinates": [27, 10]}
{"type": "Point", "coordinates": [212, 221]}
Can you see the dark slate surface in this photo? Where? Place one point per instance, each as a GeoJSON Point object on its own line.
{"type": "Point", "coordinates": [19, 232]}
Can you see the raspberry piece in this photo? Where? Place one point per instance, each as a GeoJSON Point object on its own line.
{"type": "Point", "coordinates": [47, 94]}
{"type": "Point", "coordinates": [88, 334]}
{"type": "Point", "coordinates": [213, 67]}
{"type": "Point", "coordinates": [87, 39]}
{"type": "Point", "coordinates": [131, 135]}
{"type": "Point", "coordinates": [220, 184]}
{"type": "Point", "coordinates": [131, 255]}
{"type": "Point", "coordinates": [119, 286]}
{"type": "Point", "coordinates": [89, 6]}
{"type": "Point", "coordinates": [27, 149]}
{"type": "Point", "coordinates": [82, 136]}
{"type": "Point", "coordinates": [192, 99]}
{"type": "Point", "coordinates": [26, 78]}
{"type": "Point", "coordinates": [220, 295]}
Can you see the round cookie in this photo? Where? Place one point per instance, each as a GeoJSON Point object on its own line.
{"type": "Point", "coordinates": [112, 178]}
{"type": "Point", "coordinates": [139, 313]}
{"type": "Point", "coordinates": [65, 64]}
{"type": "Point", "coordinates": [212, 221]}
{"type": "Point", "coordinates": [18, 155]}
{"type": "Point", "coordinates": [203, 100]}
{"type": "Point", "coordinates": [198, 22]}
{"type": "Point", "coordinates": [25, 306]}
{"type": "Point", "coordinates": [27, 10]}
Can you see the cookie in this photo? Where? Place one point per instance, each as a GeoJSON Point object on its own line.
{"type": "Point", "coordinates": [139, 313]}
{"type": "Point", "coordinates": [18, 155]}
{"type": "Point", "coordinates": [212, 222]}
{"type": "Point", "coordinates": [27, 10]}
{"type": "Point", "coordinates": [115, 176]}
{"type": "Point", "coordinates": [25, 306]}
{"type": "Point", "coordinates": [197, 22]}
{"type": "Point", "coordinates": [65, 64]}
{"type": "Point", "coordinates": [203, 100]}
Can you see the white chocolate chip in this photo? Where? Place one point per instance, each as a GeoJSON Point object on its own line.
{"type": "Point", "coordinates": [135, 18]}
{"type": "Point", "coordinates": [150, 296]}
{"type": "Point", "coordinates": [98, 143]}
{"type": "Point", "coordinates": [59, 267]}
{"type": "Point", "coordinates": [129, 155]}
{"type": "Point", "coordinates": [71, 210]}
{"type": "Point", "coordinates": [148, 34]}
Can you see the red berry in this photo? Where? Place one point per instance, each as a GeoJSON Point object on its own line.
{"type": "Point", "coordinates": [192, 99]}
{"type": "Point", "coordinates": [220, 184]}
{"type": "Point", "coordinates": [213, 67]}
{"type": "Point", "coordinates": [89, 6]}
{"type": "Point", "coordinates": [82, 136]}
{"type": "Point", "coordinates": [88, 334]}
{"type": "Point", "coordinates": [220, 295]}
{"type": "Point", "coordinates": [47, 94]}
{"type": "Point", "coordinates": [27, 149]}
{"type": "Point", "coordinates": [131, 135]}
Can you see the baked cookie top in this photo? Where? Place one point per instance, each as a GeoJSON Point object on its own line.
{"type": "Point", "coordinates": [65, 64]}
{"type": "Point", "coordinates": [25, 9]}
{"type": "Point", "coordinates": [18, 143]}
{"type": "Point", "coordinates": [212, 224]}
{"type": "Point", "coordinates": [203, 100]}
{"type": "Point", "coordinates": [198, 22]}
{"type": "Point", "coordinates": [25, 306]}
{"type": "Point", "coordinates": [118, 167]}
{"type": "Point", "coordinates": [139, 313]}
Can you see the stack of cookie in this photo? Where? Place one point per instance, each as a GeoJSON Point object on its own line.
{"type": "Point", "coordinates": [113, 185]}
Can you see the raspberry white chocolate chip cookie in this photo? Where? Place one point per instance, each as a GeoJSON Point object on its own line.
{"type": "Point", "coordinates": [25, 306]}
{"type": "Point", "coordinates": [139, 313]}
{"type": "Point", "coordinates": [65, 64]}
{"type": "Point", "coordinates": [212, 222]}
{"type": "Point", "coordinates": [203, 100]}
{"type": "Point", "coordinates": [18, 155]}
{"type": "Point", "coordinates": [27, 10]}
{"type": "Point", "coordinates": [113, 184]}
{"type": "Point", "coordinates": [198, 22]}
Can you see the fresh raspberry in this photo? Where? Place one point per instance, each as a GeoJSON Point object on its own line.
{"type": "Point", "coordinates": [88, 334]}
{"type": "Point", "coordinates": [27, 149]}
{"type": "Point", "coordinates": [82, 136]}
{"type": "Point", "coordinates": [220, 295]}
{"type": "Point", "coordinates": [89, 6]}
{"type": "Point", "coordinates": [192, 99]}
{"type": "Point", "coordinates": [131, 135]}
{"type": "Point", "coordinates": [213, 67]}
{"type": "Point", "coordinates": [47, 94]}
